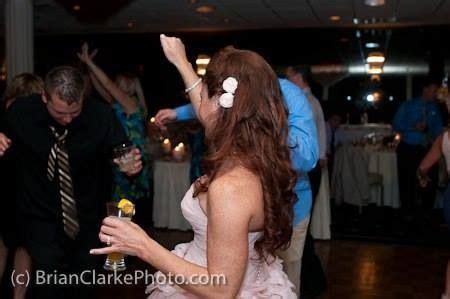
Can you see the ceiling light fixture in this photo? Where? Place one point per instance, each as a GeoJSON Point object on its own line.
{"type": "Point", "coordinates": [375, 70]}
{"type": "Point", "coordinates": [205, 9]}
{"type": "Point", "coordinates": [201, 71]}
{"type": "Point", "coordinates": [355, 21]}
{"type": "Point", "coordinates": [76, 7]}
{"type": "Point", "coordinates": [376, 57]}
{"type": "Point", "coordinates": [335, 18]}
{"type": "Point", "coordinates": [202, 62]}
{"type": "Point", "coordinates": [374, 3]}
{"type": "Point", "coordinates": [372, 45]}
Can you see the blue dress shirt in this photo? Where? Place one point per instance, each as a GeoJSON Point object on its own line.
{"type": "Point", "coordinates": [413, 112]}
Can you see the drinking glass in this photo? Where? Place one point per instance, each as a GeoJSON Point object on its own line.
{"type": "Point", "coordinates": [123, 153]}
{"type": "Point", "coordinates": [116, 261]}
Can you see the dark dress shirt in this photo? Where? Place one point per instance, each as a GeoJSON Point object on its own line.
{"type": "Point", "coordinates": [90, 140]}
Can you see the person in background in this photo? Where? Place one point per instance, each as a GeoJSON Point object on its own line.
{"type": "Point", "coordinates": [126, 96]}
{"type": "Point", "coordinates": [419, 123]}
{"type": "Point", "coordinates": [441, 147]}
{"type": "Point", "coordinates": [313, 281]}
{"type": "Point", "coordinates": [304, 156]}
{"type": "Point", "coordinates": [22, 85]}
{"type": "Point", "coordinates": [61, 147]}
{"type": "Point", "coordinates": [333, 123]}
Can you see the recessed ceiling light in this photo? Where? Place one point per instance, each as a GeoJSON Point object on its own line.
{"type": "Point", "coordinates": [355, 21]}
{"type": "Point", "coordinates": [76, 7]}
{"type": "Point", "coordinates": [205, 9]}
{"type": "Point", "coordinates": [374, 2]}
{"type": "Point", "coordinates": [372, 45]}
{"type": "Point", "coordinates": [335, 18]}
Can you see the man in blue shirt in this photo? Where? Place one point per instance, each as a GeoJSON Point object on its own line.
{"type": "Point", "coordinates": [304, 156]}
{"type": "Point", "coordinates": [419, 122]}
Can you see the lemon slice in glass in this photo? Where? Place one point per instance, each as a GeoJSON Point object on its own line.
{"type": "Point", "coordinates": [126, 206]}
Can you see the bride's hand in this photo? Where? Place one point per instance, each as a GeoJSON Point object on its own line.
{"type": "Point", "coordinates": [174, 50]}
{"type": "Point", "coordinates": [122, 236]}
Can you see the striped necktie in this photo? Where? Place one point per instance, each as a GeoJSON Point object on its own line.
{"type": "Point", "coordinates": [58, 163]}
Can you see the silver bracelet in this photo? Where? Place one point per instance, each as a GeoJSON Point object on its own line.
{"type": "Point", "coordinates": [187, 90]}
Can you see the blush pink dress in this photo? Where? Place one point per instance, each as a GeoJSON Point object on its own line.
{"type": "Point", "coordinates": [262, 279]}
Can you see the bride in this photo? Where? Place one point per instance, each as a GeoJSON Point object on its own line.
{"type": "Point", "coordinates": [241, 211]}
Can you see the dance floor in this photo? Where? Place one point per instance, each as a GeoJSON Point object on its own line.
{"type": "Point", "coordinates": [355, 269]}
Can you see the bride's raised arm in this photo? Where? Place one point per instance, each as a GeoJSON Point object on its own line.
{"type": "Point", "coordinates": [175, 52]}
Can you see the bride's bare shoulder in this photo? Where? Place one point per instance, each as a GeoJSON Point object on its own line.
{"type": "Point", "coordinates": [237, 183]}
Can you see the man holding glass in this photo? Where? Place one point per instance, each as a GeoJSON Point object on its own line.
{"type": "Point", "coordinates": [62, 145]}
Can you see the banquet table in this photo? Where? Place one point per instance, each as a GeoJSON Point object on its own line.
{"type": "Point", "coordinates": [384, 162]}
{"type": "Point", "coordinates": [171, 181]}
{"type": "Point", "coordinates": [351, 171]}
{"type": "Point", "coordinates": [348, 133]}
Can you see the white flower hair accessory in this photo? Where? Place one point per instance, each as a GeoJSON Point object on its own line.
{"type": "Point", "coordinates": [230, 85]}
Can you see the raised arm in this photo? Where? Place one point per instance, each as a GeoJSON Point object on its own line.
{"type": "Point", "coordinates": [100, 89]}
{"type": "Point", "coordinates": [126, 101]}
{"type": "Point", "coordinates": [176, 53]}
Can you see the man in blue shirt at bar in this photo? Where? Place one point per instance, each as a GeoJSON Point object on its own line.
{"type": "Point", "coordinates": [304, 156]}
{"type": "Point", "coordinates": [419, 122]}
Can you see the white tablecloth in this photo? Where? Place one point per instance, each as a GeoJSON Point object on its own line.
{"type": "Point", "coordinates": [351, 176]}
{"type": "Point", "coordinates": [385, 163]}
{"type": "Point", "coordinates": [171, 180]}
{"type": "Point", "coordinates": [321, 217]}
{"type": "Point", "coordinates": [348, 133]}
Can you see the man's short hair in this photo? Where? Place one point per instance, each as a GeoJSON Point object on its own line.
{"type": "Point", "coordinates": [67, 83]}
{"type": "Point", "coordinates": [430, 80]}
{"type": "Point", "coordinates": [303, 70]}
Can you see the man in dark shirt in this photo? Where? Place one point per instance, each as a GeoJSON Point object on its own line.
{"type": "Point", "coordinates": [62, 145]}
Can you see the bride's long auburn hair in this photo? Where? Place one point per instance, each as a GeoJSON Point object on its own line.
{"type": "Point", "coordinates": [254, 133]}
